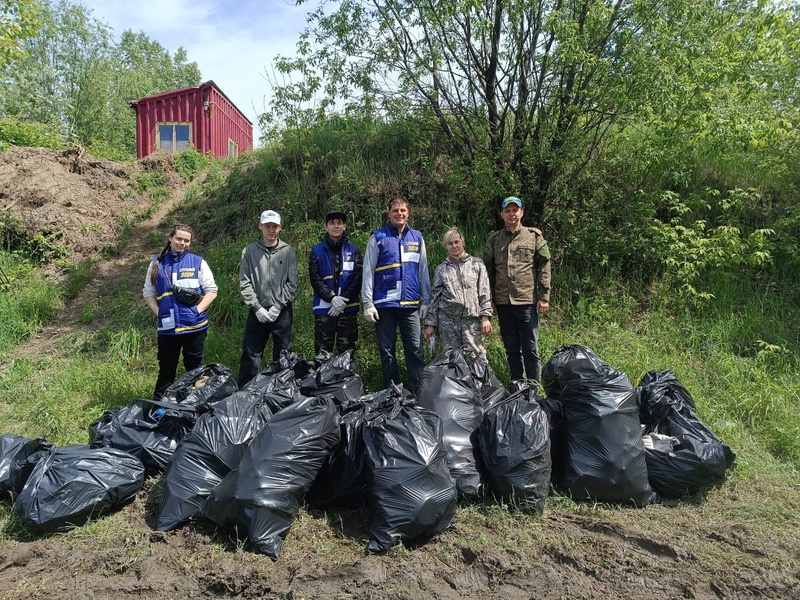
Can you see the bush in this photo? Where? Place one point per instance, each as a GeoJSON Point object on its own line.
{"type": "Point", "coordinates": [39, 247]}
{"type": "Point", "coordinates": [15, 132]}
{"type": "Point", "coordinates": [189, 163]}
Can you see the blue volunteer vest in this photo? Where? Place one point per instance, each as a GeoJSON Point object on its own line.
{"type": "Point", "coordinates": [396, 280]}
{"type": "Point", "coordinates": [325, 260]}
{"type": "Point", "coordinates": [173, 317]}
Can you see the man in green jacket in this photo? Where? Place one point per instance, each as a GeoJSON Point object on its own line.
{"type": "Point", "coordinates": [518, 262]}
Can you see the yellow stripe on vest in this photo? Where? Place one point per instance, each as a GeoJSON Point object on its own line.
{"type": "Point", "coordinates": [392, 266]}
{"type": "Point", "coordinates": [203, 324]}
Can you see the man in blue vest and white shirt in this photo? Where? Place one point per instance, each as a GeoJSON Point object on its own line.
{"type": "Point", "coordinates": [335, 269]}
{"type": "Point", "coordinates": [396, 290]}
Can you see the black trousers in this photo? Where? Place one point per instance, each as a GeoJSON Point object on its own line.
{"type": "Point", "coordinates": [519, 328]}
{"type": "Point", "coordinates": [256, 335]}
{"type": "Point", "coordinates": [169, 353]}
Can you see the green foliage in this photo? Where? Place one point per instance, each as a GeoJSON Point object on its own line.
{"type": "Point", "coordinates": [355, 165]}
{"type": "Point", "coordinates": [78, 275]}
{"type": "Point", "coordinates": [110, 151]}
{"type": "Point", "coordinates": [19, 20]}
{"type": "Point", "coordinates": [148, 181]}
{"type": "Point", "coordinates": [189, 163]}
{"type": "Point", "coordinates": [694, 252]}
{"type": "Point", "coordinates": [595, 69]}
{"type": "Point", "coordinates": [27, 303]}
{"type": "Point", "coordinates": [38, 247]}
{"type": "Point", "coordinates": [15, 132]}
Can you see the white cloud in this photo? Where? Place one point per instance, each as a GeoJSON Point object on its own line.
{"type": "Point", "coordinates": [232, 42]}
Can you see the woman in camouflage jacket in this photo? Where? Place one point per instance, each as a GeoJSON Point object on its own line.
{"type": "Point", "coordinates": [460, 311]}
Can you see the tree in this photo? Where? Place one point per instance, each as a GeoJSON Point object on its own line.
{"type": "Point", "coordinates": [50, 83]}
{"type": "Point", "coordinates": [526, 91]}
{"type": "Point", "coordinates": [19, 19]}
{"type": "Point", "coordinates": [142, 67]}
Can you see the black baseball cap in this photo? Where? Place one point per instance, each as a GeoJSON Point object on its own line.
{"type": "Point", "coordinates": [335, 214]}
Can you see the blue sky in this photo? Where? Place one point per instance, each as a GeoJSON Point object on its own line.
{"type": "Point", "coordinates": [233, 42]}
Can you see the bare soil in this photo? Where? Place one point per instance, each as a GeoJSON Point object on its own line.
{"type": "Point", "coordinates": [740, 541]}
{"type": "Point", "coordinates": [81, 203]}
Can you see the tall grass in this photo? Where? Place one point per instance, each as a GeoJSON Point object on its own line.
{"type": "Point", "coordinates": [28, 301]}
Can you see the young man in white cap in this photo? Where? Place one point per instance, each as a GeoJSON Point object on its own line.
{"type": "Point", "coordinates": [268, 283]}
{"type": "Point", "coordinates": [518, 262]}
{"type": "Point", "coordinates": [335, 271]}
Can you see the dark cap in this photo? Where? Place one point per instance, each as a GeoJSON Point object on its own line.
{"type": "Point", "coordinates": [335, 214]}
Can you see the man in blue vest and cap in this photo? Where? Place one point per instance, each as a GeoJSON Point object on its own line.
{"type": "Point", "coordinates": [396, 290]}
{"type": "Point", "coordinates": [335, 270]}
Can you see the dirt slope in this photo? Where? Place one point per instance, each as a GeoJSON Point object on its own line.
{"type": "Point", "coordinates": [723, 546]}
{"type": "Point", "coordinates": [80, 202]}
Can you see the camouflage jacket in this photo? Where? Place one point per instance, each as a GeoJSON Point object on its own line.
{"type": "Point", "coordinates": [518, 264]}
{"type": "Point", "coordinates": [460, 290]}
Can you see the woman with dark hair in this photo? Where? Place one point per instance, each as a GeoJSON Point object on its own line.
{"type": "Point", "coordinates": [178, 287]}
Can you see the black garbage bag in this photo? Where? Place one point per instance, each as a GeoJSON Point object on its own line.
{"type": "Point", "coordinates": [201, 386]}
{"type": "Point", "coordinates": [271, 379]}
{"type": "Point", "coordinates": [335, 375]}
{"type": "Point", "coordinates": [209, 452]}
{"type": "Point", "coordinates": [514, 450]}
{"type": "Point", "coordinates": [552, 408]}
{"type": "Point", "coordinates": [260, 498]}
{"type": "Point", "coordinates": [150, 430]}
{"type": "Point", "coordinates": [600, 451]}
{"type": "Point", "coordinates": [446, 387]}
{"type": "Point", "coordinates": [563, 355]}
{"type": "Point", "coordinates": [342, 482]}
{"type": "Point", "coordinates": [18, 456]}
{"type": "Point", "coordinates": [490, 387]}
{"type": "Point", "coordinates": [280, 390]}
{"type": "Point", "coordinates": [75, 483]}
{"type": "Point", "coordinates": [297, 367]}
{"type": "Point", "coordinates": [683, 455]}
{"type": "Point", "coordinates": [412, 494]}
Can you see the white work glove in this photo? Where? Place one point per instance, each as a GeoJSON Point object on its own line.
{"type": "Point", "coordinates": [423, 310]}
{"type": "Point", "coordinates": [273, 313]}
{"type": "Point", "coordinates": [338, 305]}
{"type": "Point", "coordinates": [262, 315]}
{"type": "Point", "coordinates": [371, 314]}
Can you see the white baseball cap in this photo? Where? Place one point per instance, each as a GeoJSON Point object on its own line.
{"type": "Point", "coordinates": [270, 216]}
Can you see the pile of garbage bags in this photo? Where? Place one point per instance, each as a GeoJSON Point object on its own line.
{"type": "Point", "coordinates": [304, 432]}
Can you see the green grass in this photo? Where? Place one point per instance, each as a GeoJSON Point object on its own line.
{"type": "Point", "coordinates": [28, 301]}
{"type": "Point", "coordinates": [78, 276]}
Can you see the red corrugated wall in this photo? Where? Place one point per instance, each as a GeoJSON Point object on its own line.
{"type": "Point", "coordinates": [213, 124]}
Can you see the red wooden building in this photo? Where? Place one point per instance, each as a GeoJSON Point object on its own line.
{"type": "Point", "coordinates": [200, 115]}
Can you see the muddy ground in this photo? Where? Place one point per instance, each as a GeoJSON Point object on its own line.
{"type": "Point", "coordinates": [740, 541]}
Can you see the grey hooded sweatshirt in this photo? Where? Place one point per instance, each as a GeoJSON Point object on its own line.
{"type": "Point", "coordinates": [268, 276]}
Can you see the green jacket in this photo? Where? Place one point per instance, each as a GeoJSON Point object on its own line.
{"type": "Point", "coordinates": [518, 264]}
